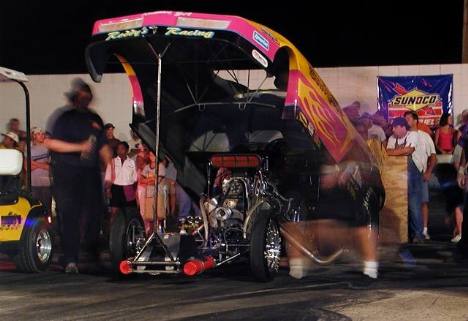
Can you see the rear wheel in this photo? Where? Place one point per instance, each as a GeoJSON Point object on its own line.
{"type": "Point", "coordinates": [35, 248]}
{"type": "Point", "coordinates": [265, 246]}
{"type": "Point", "coordinates": [127, 233]}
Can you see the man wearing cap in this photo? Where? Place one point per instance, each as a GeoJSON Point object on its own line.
{"type": "Point", "coordinates": [406, 143]}
{"type": "Point", "coordinates": [77, 144]}
{"type": "Point", "coordinates": [40, 162]}
{"type": "Point", "coordinates": [111, 140]}
{"type": "Point", "coordinates": [10, 141]}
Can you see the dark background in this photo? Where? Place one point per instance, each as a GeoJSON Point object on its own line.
{"type": "Point", "coordinates": [49, 37]}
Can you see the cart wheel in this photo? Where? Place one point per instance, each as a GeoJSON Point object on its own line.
{"type": "Point", "coordinates": [126, 234]}
{"type": "Point", "coordinates": [35, 248]}
{"type": "Point", "coordinates": [265, 246]}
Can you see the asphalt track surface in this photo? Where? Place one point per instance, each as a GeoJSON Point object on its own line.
{"type": "Point", "coordinates": [417, 282]}
{"type": "Point", "coordinates": [409, 274]}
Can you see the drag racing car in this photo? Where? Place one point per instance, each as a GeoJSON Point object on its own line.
{"type": "Point", "coordinates": [25, 225]}
{"type": "Point", "coordinates": [246, 121]}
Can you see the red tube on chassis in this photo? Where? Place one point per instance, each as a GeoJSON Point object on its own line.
{"type": "Point", "coordinates": [125, 267]}
{"type": "Point", "coordinates": [195, 266]}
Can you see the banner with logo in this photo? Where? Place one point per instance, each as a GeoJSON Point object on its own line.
{"type": "Point", "coordinates": [429, 96]}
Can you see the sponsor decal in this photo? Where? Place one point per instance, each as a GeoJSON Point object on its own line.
{"type": "Point", "coordinates": [132, 33]}
{"type": "Point", "coordinates": [261, 40]}
{"type": "Point", "coordinates": [428, 96]}
{"type": "Point", "coordinates": [269, 34]}
{"type": "Point", "coordinates": [175, 31]}
{"type": "Point", "coordinates": [10, 221]}
{"type": "Point", "coordinates": [182, 14]}
{"type": "Point", "coordinates": [415, 99]}
{"type": "Point", "coordinates": [260, 58]}
{"type": "Point", "coordinates": [121, 25]}
{"type": "Point", "coordinates": [427, 105]}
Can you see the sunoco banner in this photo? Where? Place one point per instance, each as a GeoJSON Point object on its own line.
{"type": "Point", "coordinates": [429, 96]}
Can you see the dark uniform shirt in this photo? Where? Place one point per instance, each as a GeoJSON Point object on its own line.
{"type": "Point", "coordinates": [76, 125]}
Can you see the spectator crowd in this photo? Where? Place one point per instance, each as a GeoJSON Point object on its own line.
{"type": "Point", "coordinates": [130, 173]}
{"type": "Point", "coordinates": [408, 136]}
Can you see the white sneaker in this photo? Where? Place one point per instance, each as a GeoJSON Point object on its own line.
{"type": "Point", "coordinates": [299, 268]}
{"type": "Point", "coordinates": [425, 234]}
{"type": "Point", "coordinates": [456, 239]}
{"type": "Point", "coordinates": [71, 268]}
{"type": "Point", "coordinates": [371, 269]}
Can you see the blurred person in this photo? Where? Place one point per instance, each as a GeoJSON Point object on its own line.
{"type": "Point", "coordinates": [361, 127]}
{"type": "Point", "coordinates": [111, 140]}
{"type": "Point", "coordinates": [40, 169]}
{"type": "Point", "coordinates": [445, 135]}
{"type": "Point", "coordinates": [373, 130]}
{"type": "Point", "coordinates": [120, 180]}
{"type": "Point", "coordinates": [184, 205]}
{"type": "Point", "coordinates": [353, 110]}
{"type": "Point", "coordinates": [462, 123]}
{"type": "Point", "coordinates": [404, 142]}
{"type": "Point", "coordinates": [134, 144]}
{"type": "Point", "coordinates": [165, 196]}
{"type": "Point", "coordinates": [461, 132]}
{"type": "Point", "coordinates": [375, 144]}
{"type": "Point", "coordinates": [10, 141]}
{"type": "Point", "coordinates": [141, 160]}
{"type": "Point", "coordinates": [77, 143]}
{"type": "Point", "coordinates": [378, 118]}
{"type": "Point", "coordinates": [458, 222]}
{"type": "Point", "coordinates": [14, 125]}
{"type": "Point", "coordinates": [427, 145]}
{"type": "Point", "coordinates": [462, 179]}
{"type": "Point", "coordinates": [340, 221]}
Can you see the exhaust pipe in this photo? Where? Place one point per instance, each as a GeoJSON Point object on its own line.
{"type": "Point", "coordinates": [195, 266]}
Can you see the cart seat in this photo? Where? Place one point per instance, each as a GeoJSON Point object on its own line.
{"type": "Point", "coordinates": [11, 164]}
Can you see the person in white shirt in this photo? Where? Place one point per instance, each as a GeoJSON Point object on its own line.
{"type": "Point", "coordinates": [407, 143]}
{"type": "Point", "coordinates": [431, 161]}
{"type": "Point", "coordinates": [120, 180]}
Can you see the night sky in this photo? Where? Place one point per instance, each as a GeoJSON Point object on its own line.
{"type": "Point", "coordinates": [41, 37]}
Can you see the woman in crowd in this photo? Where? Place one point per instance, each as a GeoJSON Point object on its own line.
{"type": "Point", "coordinates": [445, 135]}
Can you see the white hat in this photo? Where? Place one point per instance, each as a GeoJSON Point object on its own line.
{"type": "Point", "coordinates": [36, 130]}
{"type": "Point", "coordinates": [12, 136]}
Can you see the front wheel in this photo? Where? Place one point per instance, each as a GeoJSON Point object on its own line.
{"type": "Point", "coordinates": [265, 246]}
{"type": "Point", "coordinates": [127, 233]}
{"type": "Point", "coordinates": [35, 247]}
